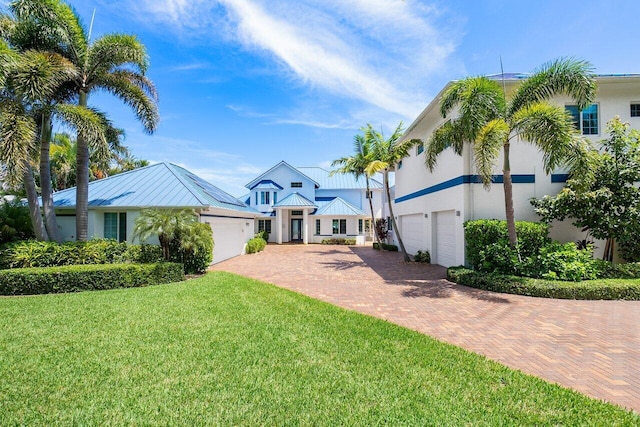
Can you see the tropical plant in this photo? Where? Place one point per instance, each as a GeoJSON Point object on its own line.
{"type": "Point", "coordinates": [164, 223]}
{"type": "Point", "coordinates": [490, 122]}
{"type": "Point", "coordinates": [15, 223]}
{"type": "Point", "coordinates": [385, 155]}
{"type": "Point", "coordinates": [356, 164]}
{"type": "Point", "coordinates": [605, 201]}
{"type": "Point", "coordinates": [115, 63]}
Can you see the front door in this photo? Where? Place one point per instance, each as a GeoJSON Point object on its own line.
{"type": "Point", "coordinates": [296, 230]}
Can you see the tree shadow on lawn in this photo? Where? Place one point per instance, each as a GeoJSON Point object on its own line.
{"type": "Point", "coordinates": [424, 280]}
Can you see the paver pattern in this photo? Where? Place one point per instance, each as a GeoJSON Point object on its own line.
{"type": "Point", "coordinates": [590, 346]}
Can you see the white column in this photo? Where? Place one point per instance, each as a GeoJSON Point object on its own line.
{"type": "Point", "coordinates": [305, 226]}
{"type": "Point", "coordinates": [279, 226]}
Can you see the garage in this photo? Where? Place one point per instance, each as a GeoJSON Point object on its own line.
{"type": "Point", "coordinates": [413, 232]}
{"type": "Point", "coordinates": [228, 237]}
{"type": "Point", "coordinates": [445, 236]}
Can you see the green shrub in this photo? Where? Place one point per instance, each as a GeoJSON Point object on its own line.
{"type": "Point", "coordinates": [264, 234]}
{"type": "Point", "coordinates": [75, 278]}
{"type": "Point", "coordinates": [31, 253]}
{"type": "Point", "coordinates": [608, 270]}
{"type": "Point", "coordinates": [422, 256]}
{"type": "Point", "coordinates": [255, 245]}
{"type": "Point", "coordinates": [561, 261]}
{"type": "Point", "coordinates": [388, 247]}
{"type": "Point", "coordinates": [15, 222]}
{"type": "Point", "coordinates": [192, 246]}
{"type": "Point", "coordinates": [376, 245]}
{"type": "Point", "coordinates": [601, 289]}
{"type": "Point", "coordinates": [481, 235]}
{"type": "Point", "coordinates": [339, 241]}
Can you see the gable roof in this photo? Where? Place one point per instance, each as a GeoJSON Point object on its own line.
{"type": "Point", "coordinates": [253, 183]}
{"type": "Point", "coordinates": [339, 207]}
{"type": "Point", "coordinates": [162, 185]}
{"type": "Point", "coordinates": [267, 184]}
{"type": "Point", "coordinates": [295, 200]}
{"type": "Point", "coordinates": [338, 181]}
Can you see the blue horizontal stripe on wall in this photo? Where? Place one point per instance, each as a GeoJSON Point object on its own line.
{"type": "Point", "coordinates": [324, 199]}
{"type": "Point", "coordinates": [559, 177]}
{"type": "Point", "coordinates": [466, 179]}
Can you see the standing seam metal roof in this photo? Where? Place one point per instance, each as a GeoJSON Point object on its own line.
{"type": "Point", "coordinates": [338, 181]}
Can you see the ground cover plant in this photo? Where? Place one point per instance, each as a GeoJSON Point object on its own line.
{"type": "Point", "coordinates": [226, 350]}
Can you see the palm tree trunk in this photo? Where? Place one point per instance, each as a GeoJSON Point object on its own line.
{"type": "Point", "coordinates": [34, 206]}
{"type": "Point", "coordinates": [372, 227]}
{"type": "Point", "coordinates": [82, 181]}
{"type": "Point", "coordinates": [393, 218]}
{"type": "Point", "coordinates": [45, 179]}
{"type": "Point", "coordinates": [508, 199]}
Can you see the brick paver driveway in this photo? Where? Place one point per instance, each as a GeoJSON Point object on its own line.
{"type": "Point", "coordinates": [590, 346]}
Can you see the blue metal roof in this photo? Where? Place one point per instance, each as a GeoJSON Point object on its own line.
{"type": "Point", "coordinates": [339, 180]}
{"type": "Point", "coordinates": [295, 200]}
{"type": "Point", "coordinates": [162, 185]}
{"type": "Point", "coordinates": [282, 162]}
{"type": "Point", "coordinates": [267, 184]}
{"type": "Point", "coordinates": [339, 207]}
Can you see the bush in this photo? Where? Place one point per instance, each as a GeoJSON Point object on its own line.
{"type": "Point", "coordinates": [31, 253]}
{"type": "Point", "coordinates": [385, 246]}
{"type": "Point", "coordinates": [255, 245]}
{"type": "Point", "coordinates": [608, 270]}
{"type": "Point", "coordinates": [422, 256]}
{"type": "Point", "coordinates": [339, 241]}
{"type": "Point", "coordinates": [490, 236]}
{"type": "Point", "coordinates": [264, 234]}
{"type": "Point", "coordinates": [193, 247]}
{"type": "Point", "coordinates": [75, 278]}
{"type": "Point", "coordinates": [561, 261]}
{"type": "Point", "coordinates": [15, 222]}
{"type": "Point", "coordinates": [602, 289]}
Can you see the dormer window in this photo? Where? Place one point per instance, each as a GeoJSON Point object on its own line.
{"type": "Point", "coordinates": [296, 185]}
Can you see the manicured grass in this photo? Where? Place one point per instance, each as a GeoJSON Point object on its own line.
{"type": "Point", "coordinates": [599, 289]}
{"type": "Point", "coordinates": [227, 350]}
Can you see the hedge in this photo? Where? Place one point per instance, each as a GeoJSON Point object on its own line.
{"type": "Point", "coordinates": [385, 246]}
{"type": "Point", "coordinates": [601, 289]}
{"type": "Point", "coordinates": [339, 241]}
{"type": "Point", "coordinates": [255, 245]}
{"type": "Point", "coordinates": [75, 278]}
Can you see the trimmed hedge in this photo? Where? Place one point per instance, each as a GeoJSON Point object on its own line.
{"type": "Point", "coordinates": [257, 244]}
{"type": "Point", "coordinates": [75, 278]}
{"type": "Point", "coordinates": [385, 246]}
{"type": "Point", "coordinates": [339, 241]}
{"type": "Point", "coordinates": [603, 289]}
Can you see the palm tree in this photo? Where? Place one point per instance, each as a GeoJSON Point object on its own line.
{"type": "Point", "coordinates": [164, 223]}
{"type": "Point", "coordinates": [490, 122]}
{"type": "Point", "coordinates": [115, 63]}
{"type": "Point", "coordinates": [356, 165]}
{"type": "Point", "coordinates": [386, 154]}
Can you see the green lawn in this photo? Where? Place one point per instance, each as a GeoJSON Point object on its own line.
{"type": "Point", "coordinates": [227, 350]}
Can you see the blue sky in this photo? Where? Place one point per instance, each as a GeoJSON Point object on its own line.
{"type": "Point", "coordinates": [246, 83]}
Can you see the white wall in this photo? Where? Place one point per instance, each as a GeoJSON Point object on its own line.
{"type": "Point", "coordinates": [283, 176]}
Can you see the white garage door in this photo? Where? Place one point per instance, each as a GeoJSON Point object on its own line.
{"type": "Point", "coordinates": [413, 235]}
{"type": "Point", "coordinates": [227, 237]}
{"type": "Point", "coordinates": [445, 234]}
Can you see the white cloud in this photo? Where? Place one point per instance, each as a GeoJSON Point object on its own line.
{"type": "Point", "coordinates": [381, 52]}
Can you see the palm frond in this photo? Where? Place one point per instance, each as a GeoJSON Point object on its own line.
{"type": "Point", "coordinates": [548, 127]}
{"type": "Point", "coordinates": [376, 166]}
{"type": "Point", "coordinates": [486, 148]}
{"type": "Point", "coordinates": [115, 50]}
{"type": "Point", "coordinates": [144, 107]}
{"type": "Point", "coordinates": [86, 122]}
{"type": "Point", "coordinates": [446, 136]}
{"type": "Point", "coordinates": [563, 76]}
{"type": "Point", "coordinates": [36, 76]}
{"type": "Point", "coordinates": [18, 134]}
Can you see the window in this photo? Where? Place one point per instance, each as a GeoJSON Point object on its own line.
{"type": "Point", "coordinates": [339, 226]}
{"type": "Point", "coordinates": [586, 121]}
{"type": "Point", "coordinates": [294, 213]}
{"type": "Point", "coordinates": [400, 164]}
{"type": "Point", "coordinates": [296, 185]}
{"type": "Point", "coordinates": [264, 197]}
{"type": "Point", "coordinates": [317, 226]}
{"type": "Point", "coordinates": [115, 226]}
{"type": "Point", "coordinates": [635, 110]}
{"type": "Point", "coordinates": [389, 224]}
{"type": "Point", "coordinates": [360, 226]}
{"type": "Point", "coordinates": [275, 197]}
{"type": "Point", "coordinates": [420, 148]}
{"type": "Point", "coordinates": [264, 225]}
{"type": "Point", "coordinates": [256, 197]}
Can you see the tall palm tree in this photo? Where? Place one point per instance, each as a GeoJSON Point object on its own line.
{"type": "Point", "coordinates": [115, 63]}
{"type": "Point", "coordinates": [386, 154]}
{"type": "Point", "coordinates": [490, 122]}
{"type": "Point", "coordinates": [356, 165]}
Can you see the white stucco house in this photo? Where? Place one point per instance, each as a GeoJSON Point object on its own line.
{"type": "Point", "coordinates": [115, 202]}
{"type": "Point", "coordinates": [431, 206]}
{"type": "Point", "coordinates": [308, 204]}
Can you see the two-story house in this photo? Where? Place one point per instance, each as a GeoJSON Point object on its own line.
{"type": "Point", "coordinates": [309, 204]}
{"type": "Point", "coordinates": [431, 207]}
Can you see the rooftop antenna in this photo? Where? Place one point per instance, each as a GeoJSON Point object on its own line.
{"type": "Point", "coordinates": [93, 16]}
{"type": "Point", "coordinates": [504, 85]}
